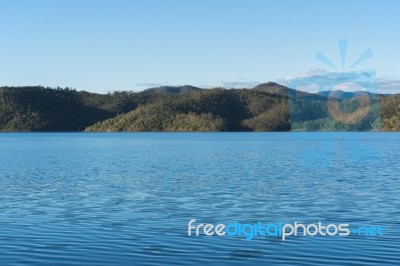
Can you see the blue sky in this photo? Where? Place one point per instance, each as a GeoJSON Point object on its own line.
{"type": "Point", "coordinates": [131, 45]}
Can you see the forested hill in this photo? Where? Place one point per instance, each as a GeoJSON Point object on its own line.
{"type": "Point", "coordinates": [267, 107]}
{"type": "Point", "coordinates": [46, 109]}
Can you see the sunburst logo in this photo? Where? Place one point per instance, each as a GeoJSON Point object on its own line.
{"type": "Point", "coordinates": [360, 96]}
{"type": "Point", "coordinates": [349, 97]}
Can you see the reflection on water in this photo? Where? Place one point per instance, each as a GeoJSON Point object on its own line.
{"type": "Point", "coordinates": [123, 199]}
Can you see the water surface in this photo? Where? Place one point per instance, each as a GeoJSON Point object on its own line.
{"type": "Point", "coordinates": [126, 199]}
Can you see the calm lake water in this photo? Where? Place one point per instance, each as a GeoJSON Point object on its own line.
{"type": "Point", "coordinates": [126, 199]}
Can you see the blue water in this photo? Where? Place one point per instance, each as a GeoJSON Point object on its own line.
{"type": "Point", "coordinates": [126, 199]}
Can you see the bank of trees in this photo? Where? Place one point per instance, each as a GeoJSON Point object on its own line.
{"type": "Point", "coordinates": [268, 107]}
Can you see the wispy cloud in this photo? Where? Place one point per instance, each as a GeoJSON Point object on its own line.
{"type": "Point", "coordinates": [152, 84]}
{"type": "Point", "coordinates": [389, 85]}
{"type": "Point", "coordinates": [240, 84]}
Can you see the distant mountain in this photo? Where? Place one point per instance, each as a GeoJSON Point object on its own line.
{"type": "Point", "coordinates": [174, 89]}
{"type": "Point", "coordinates": [272, 87]}
{"type": "Point", "coordinates": [342, 94]}
{"type": "Point", "coordinates": [275, 88]}
{"type": "Point", "coordinates": [267, 107]}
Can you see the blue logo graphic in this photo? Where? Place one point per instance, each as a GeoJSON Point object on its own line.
{"type": "Point", "coordinates": [350, 102]}
{"type": "Point", "coordinates": [283, 231]}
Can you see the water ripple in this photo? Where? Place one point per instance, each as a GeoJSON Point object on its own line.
{"type": "Point", "coordinates": [126, 199]}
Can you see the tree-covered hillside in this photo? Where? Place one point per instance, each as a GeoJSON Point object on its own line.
{"type": "Point", "coordinates": [205, 110]}
{"type": "Point", "coordinates": [46, 109]}
{"type": "Point", "coordinates": [267, 107]}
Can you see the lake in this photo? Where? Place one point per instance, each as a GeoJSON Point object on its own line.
{"type": "Point", "coordinates": [127, 198]}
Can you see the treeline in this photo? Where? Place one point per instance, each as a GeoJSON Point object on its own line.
{"type": "Point", "coordinates": [47, 109]}
{"type": "Point", "coordinates": [204, 110]}
{"type": "Point", "coordinates": [267, 107]}
{"type": "Point", "coordinates": [390, 111]}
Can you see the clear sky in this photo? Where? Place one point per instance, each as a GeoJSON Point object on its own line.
{"type": "Point", "coordinates": [131, 45]}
